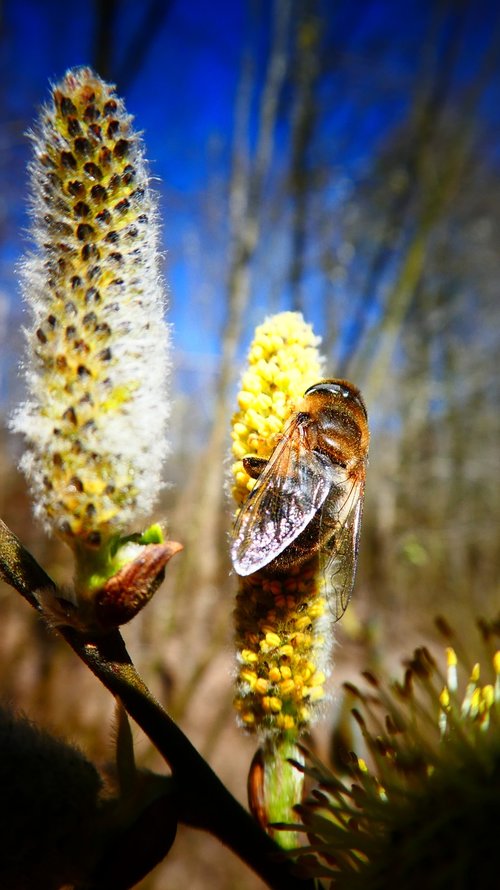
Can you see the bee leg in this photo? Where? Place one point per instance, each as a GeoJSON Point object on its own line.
{"type": "Point", "coordinates": [254, 465]}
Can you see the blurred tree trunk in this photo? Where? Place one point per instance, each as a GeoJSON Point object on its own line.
{"type": "Point", "coordinates": [203, 560]}
{"type": "Point", "coordinates": [124, 70]}
{"type": "Point", "coordinates": [305, 75]}
{"type": "Point", "coordinates": [438, 170]}
{"type": "Point", "coordinates": [426, 112]}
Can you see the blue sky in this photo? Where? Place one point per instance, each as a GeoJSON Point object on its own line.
{"type": "Point", "coordinates": [183, 99]}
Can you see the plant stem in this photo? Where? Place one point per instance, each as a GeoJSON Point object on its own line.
{"type": "Point", "coordinates": [203, 801]}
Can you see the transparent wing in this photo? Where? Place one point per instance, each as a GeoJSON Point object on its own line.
{"type": "Point", "coordinates": [287, 495]}
{"type": "Point", "coordinates": [340, 552]}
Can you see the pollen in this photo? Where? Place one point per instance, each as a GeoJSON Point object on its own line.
{"type": "Point", "coordinates": [444, 698]}
{"type": "Point", "coordinates": [285, 722]}
{"type": "Point", "coordinates": [282, 619]}
{"type": "Point", "coordinates": [249, 677]}
{"type": "Point", "coordinates": [283, 361]}
{"type": "Point", "coordinates": [280, 669]}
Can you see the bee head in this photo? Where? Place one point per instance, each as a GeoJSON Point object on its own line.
{"type": "Point", "coordinates": [342, 388]}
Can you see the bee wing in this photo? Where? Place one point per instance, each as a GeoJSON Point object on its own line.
{"type": "Point", "coordinates": [341, 554]}
{"type": "Point", "coordinates": [288, 493]}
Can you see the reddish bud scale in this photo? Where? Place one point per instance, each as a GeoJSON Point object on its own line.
{"type": "Point", "coordinates": [129, 590]}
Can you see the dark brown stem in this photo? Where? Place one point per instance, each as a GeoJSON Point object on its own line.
{"type": "Point", "coordinates": [204, 802]}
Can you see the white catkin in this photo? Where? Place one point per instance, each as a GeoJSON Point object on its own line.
{"type": "Point", "coordinates": [97, 358]}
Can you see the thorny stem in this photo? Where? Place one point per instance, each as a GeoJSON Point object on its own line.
{"type": "Point", "coordinates": [203, 801]}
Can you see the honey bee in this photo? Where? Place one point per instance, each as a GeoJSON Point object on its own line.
{"type": "Point", "coordinates": [308, 497]}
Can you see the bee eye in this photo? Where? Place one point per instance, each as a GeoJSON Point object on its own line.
{"type": "Point", "coordinates": [327, 387]}
{"type": "Point", "coordinates": [338, 389]}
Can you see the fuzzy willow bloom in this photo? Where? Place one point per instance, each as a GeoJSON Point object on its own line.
{"type": "Point", "coordinates": [283, 361]}
{"type": "Point", "coordinates": [97, 356]}
{"type": "Point", "coordinates": [97, 347]}
{"type": "Point", "coordinates": [281, 635]}
{"type": "Point", "coordinates": [425, 813]}
{"type": "Point", "coordinates": [282, 622]}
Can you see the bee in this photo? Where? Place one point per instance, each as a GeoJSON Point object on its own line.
{"type": "Point", "coordinates": [308, 497]}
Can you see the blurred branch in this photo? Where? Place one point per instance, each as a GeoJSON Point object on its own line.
{"type": "Point", "coordinates": [19, 569]}
{"type": "Point", "coordinates": [246, 226]}
{"type": "Point", "coordinates": [203, 801]}
{"type": "Point", "coordinates": [140, 43]}
{"type": "Point", "coordinates": [434, 82]}
{"type": "Point", "coordinates": [438, 175]}
{"type": "Point", "coordinates": [246, 193]}
{"type": "Point", "coordinates": [306, 71]}
{"type": "Point", "coordinates": [102, 55]}
{"type": "Point", "coordinates": [126, 69]}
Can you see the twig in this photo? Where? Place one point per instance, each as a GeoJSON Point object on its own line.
{"type": "Point", "coordinates": [204, 802]}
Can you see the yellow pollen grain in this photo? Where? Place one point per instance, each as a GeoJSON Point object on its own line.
{"type": "Point", "coordinates": [286, 722]}
{"type": "Point", "coordinates": [249, 677]}
{"type": "Point", "coordinates": [254, 420]}
{"type": "Point", "coordinates": [249, 656]}
{"type": "Point", "coordinates": [256, 353]}
{"type": "Point", "coordinates": [475, 673]}
{"type": "Point", "coordinates": [475, 701]}
{"type": "Point", "coordinates": [263, 403]}
{"type": "Point", "coordinates": [271, 703]}
{"type": "Point", "coordinates": [317, 609]}
{"type": "Point", "coordinates": [239, 449]}
{"type": "Point", "coordinates": [287, 687]}
{"type": "Point", "coordinates": [318, 678]}
{"type": "Point", "coordinates": [451, 657]}
{"type": "Point", "coordinates": [488, 696]}
{"type": "Point", "coordinates": [314, 693]}
{"type": "Point", "coordinates": [444, 698]}
{"type": "Point", "coordinates": [303, 622]}
{"type": "Point", "coordinates": [286, 651]}
{"type": "Point", "coordinates": [245, 399]}
{"type": "Point", "coordinates": [240, 430]}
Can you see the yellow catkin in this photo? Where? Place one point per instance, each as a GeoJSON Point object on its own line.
{"type": "Point", "coordinates": [281, 617]}
{"type": "Point", "coordinates": [283, 361]}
